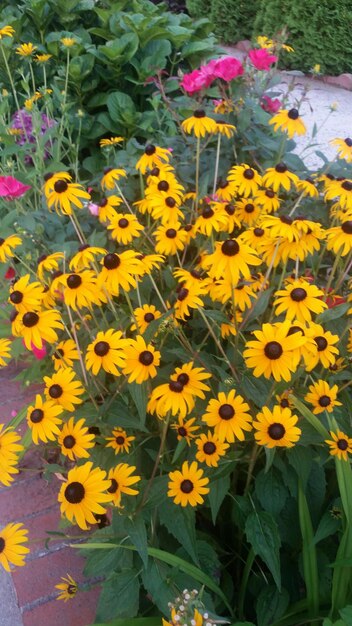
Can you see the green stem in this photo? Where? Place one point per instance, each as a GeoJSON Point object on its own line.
{"type": "Point", "coordinates": [332, 274]}
{"type": "Point", "coordinates": [217, 163]}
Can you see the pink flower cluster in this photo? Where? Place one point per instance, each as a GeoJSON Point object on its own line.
{"type": "Point", "coordinates": [262, 59]}
{"type": "Point", "coordinates": [227, 68]}
{"type": "Point", "coordinates": [11, 187]}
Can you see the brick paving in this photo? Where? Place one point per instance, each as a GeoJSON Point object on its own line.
{"type": "Point", "coordinates": [28, 595]}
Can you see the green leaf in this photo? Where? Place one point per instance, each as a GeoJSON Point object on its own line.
{"type": "Point", "coordinates": [270, 491]}
{"type": "Point", "coordinates": [333, 314]}
{"type": "Point", "coordinates": [328, 525]}
{"type": "Point", "coordinates": [139, 396]}
{"type": "Point", "coordinates": [137, 533]}
{"type": "Point", "coordinates": [312, 419]}
{"type": "Point", "coordinates": [301, 460]}
{"type": "Point", "coordinates": [119, 596]}
{"type": "Point", "coordinates": [156, 580]}
{"type": "Point", "coordinates": [310, 564]}
{"type": "Point", "coordinates": [121, 107]}
{"type": "Point", "coordinates": [263, 535]}
{"type": "Point", "coordinates": [346, 614]}
{"type": "Point", "coordinates": [261, 304]}
{"type": "Point", "coordinates": [271, 605]}
{"type": "Point", "coordinates": [180, 522]}
{"type": "Point", "coordinates": [218, 492]}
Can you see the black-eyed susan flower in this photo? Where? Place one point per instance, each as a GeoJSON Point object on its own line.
{"type": "Point", "coordinates": [185, 429]}
{"type": "Point", "coordinates": [288, 121]}
{"type": "Point", "coordinates": [192, 379]}
{"type": "Point", "coordinates": [307, 187]}
{"type": "Point", "coordinates": [7, 31]}
{"type": "Point", "coordinates": [210, 220]}
{"type": "Point", "coordinates": [26, 49]}
{"type": "Point", "coordinates": [152, 156]}
{"type": "Point", "coordinates": [340, 445]}
{"type": "Point", "coordinates": [26, 296]}
{"type": "Point", "coordinates": [171, 397]}
{"type": "Point", "coordinates": [281, 226]}
{"type": "Point", "coordinates": [231, 260]}
{"type": "Point", "coordinates": [5, 351]}
{"type": "Point", "coordinates": [283, 399]}
{"type": "Point", "coordinates": [231, 327]}
{"type": "Point", "coordinates": [10, 448]}
{"type": "Point", "coordinates": [120, 441]}
{"type": "Point", "coordinates": [82, 495]}
{"type": "Point", "coordinates": [245, 180]}
{"type": "Point", "coordinates": [65, 354]}
{"type": "Point", "coordinates": [150, 262]}
{"type": "Point", "coordinates": [7, 247]}
{"type": "Point", "coordinates": [43, 58]}
{"type": "Point", "coordinates": [68, 42]}
{"type": "Point", "coordinates": [279, 176]}
{"type": "Point", "coordinates": [65, 195]}
{"type": "Point", "coordinates": [107, 206]}
{"type": "Point", "coordinates": [107, 351]}
{"type": "Point", "coordinates": [170, 238]}
{"type": "Point", "coordinates": [276, 428]}
{"type": "Point", "coordinates": [228, 415]}
{"type": "Point", "coordinates": [240, 295]}
{"type": "Point", "coordinates": [225, 191]}
{"type": "Point", "coordinates": [144, 315]}
{"type": "Point", "coordinates": [121, 479]}
{"type": "Point", "coordinates": [199, 124]}
{"type": "Point", "coordinates": [85, 256]}
{"type": "Point", "coordinates": [43, 419]}
{"type": "Point", "coordinates": [228, 209]}
{"type": "Point", "coordinates": [141, 360]}
{"type": "Point", "coordinates": [258, 239]}
{"type": "Point", "coordinates": [38, 326]}
{"type": "Point", "coordinates": [339, 238]}
{"type": "Point", "coordinates": [110, 141]}
{"type": "Point", "coordinates": [223, 128]}
{"type": "Point", "coordinates": [79, 289]}
{"type": "Point", "coordinates": [322, 397]}
{"type": "Point", "coordinates": [248, 211]}
{"type": "Point", "coordinates": [164, 182]}
{"type": "Point", "coordinates": [268, 200]}
{"type": "Point", "coordinates": [112, 175]}
{"type": "Point", "coordinates": [189, 485]}
{"type": "Point", "coordinates": [344, 148]}
{"type": "Point", "coordinates": [299, 300]}
{"type": "Point", "coordinates": [48, 263]}
{"type": "Point", "coordinates": [274, 352]}
{"type": "Point", "coordinates": [125, 227]}
{"type": "Point", "coordinates": [341, 190]}
{"type": "Point", "coordinates": [188, 298]}
{"type": "Point", "coordinates": [75, 439]}
{"type": "Point", "coordinates": [119, 271]}
{"type": "Point", "coordinates": [325, 350]}
{"type": "Point", "coordinates": [210, 449]}
{"type": "Point", "coordinates": [67, 588]}
{"type": "Point", "coordinates": [12, 548]}
{"type": "Point", "coordinates": [63, 388]}
{"type": "Point", "coordinates": [165, 207]}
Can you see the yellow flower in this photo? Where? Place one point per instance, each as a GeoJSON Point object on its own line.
{"type": "Point", "coordinates": [121, 481]}
{"type": "Point", "coordinates": [289, 122]}
{"type": "Point", "coordinates": [228, 415]}
{"type": "Point", "coordinates": [141, 360]}
{"type": "Point", "coordinates": [68, 588]}
{"type": "Point", "coordinates": [9, 451]}
{"type": "Point", "coordinates": [276, 428]}
{"type": "Point", "coordinates": [26, 49]}
{"type": "Point", "coordinates": [188, 485]}
{"type": "Point", "coordinates": [42, 58]}
{"type": "Point", "coordinates": [112, 141]}
{"type": "Point", "coordinates": [68, 42]}
{"type": "Point", "coordinates": [120, 442]}
{"type": "Point", "coordinates": [5, 351]}
{"type": "Point", "coordinates": [340, 445]}
{"type": "Point", "coordinates": [7, 31]}
{"type": "Point", "coordinates": [12, 550]}
{"type": "Point", "coordinates": [199, 124]}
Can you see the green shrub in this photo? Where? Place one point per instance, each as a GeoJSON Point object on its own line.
{"type": "Point", "coordinates": [319, 31]}
{"type": "Point", "coordinates": [233, 19]}
{"type": "Point", "coordinates": [198, 8]}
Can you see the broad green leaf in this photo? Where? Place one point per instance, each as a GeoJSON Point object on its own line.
{"type": "Point", "coordinates": [271, 605]}
{"type": "Point", "coordinates": [140, 398]}
{"type": "Point", "coordinates": [327, 526]}
{"type": "Point", "coordinates": [301, 460]}
{"type": "Point", "coordinates": [263, 535]}
{"type": "Point", "coordinates": [310, 565]}
{"type": "Point", "coordinates": [333, 314]}
{"type": "Point", "coordinates": [180, 522]}
{"type": "Point", "coordinates": [119, 596]}
{"type": "Point", "coordinates": [346, 614]}
{"type": "Point", "coordinates": [136, 530]}
{"type": "Point", "coordinates": [217, 494]}
{"type": "Point", "coordinates": [270, 491]}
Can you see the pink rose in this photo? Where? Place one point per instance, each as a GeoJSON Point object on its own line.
{"type": "Point", "coordinates": [11, 187]}
{"type": "Point", "coordinates": [262, 59]}
{"type": "Point", "coordinates": [195, 81]}
{"type": "Point", "coordinates": [270, 105]}
{"type": "Point", "coordinates": [227, 68]}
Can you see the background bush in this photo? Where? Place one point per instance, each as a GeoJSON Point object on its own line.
{"type": "Point", "coordinates": [232, 20]}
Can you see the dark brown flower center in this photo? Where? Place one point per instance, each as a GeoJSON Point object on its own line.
{"type": "Point", "coordinates": [146, 357]}
{"type": "Point", "coordinates": [186, 486]}
{"type": "Point", "coordinates": [103, 202]}
{"type": "Point", "coordinates": [171, 233]}
{"type": "Point", "coordinates": [269, 193]}
{"type": "Point", "coordinates": [150, 149]}
{"type": "Point", "coordinates": [59, 353]}
{"type": "Point", "coordinates": [207, 212]}
{"type": "Point", "coordinates": [348, 142]}
{"type": "Point", "coordinates": [342, 444]}
{"type": "Point", "coordinates": [199, 113]}
{"type": "Point", "coordinates": [42, 258]}
{"type": "Point", "coordinates": [183, 378]}
{"type": "Point", "coordinates": [276, 431]}
{"type": "Point", "coordinates": [294, 329]}
{"type": "Point", "coordinates": [209, 447]}
{"type": "Point", "coordinates": [284, 403]}
{"type": "Point", "coordinates": [230, 209]}
{"type": "Point", "coordinates": [30, 319]}
{"type": "Point", "coordinates": [73, 281]}
{"type": "Point", "coordinates": [321, 343]}
{"type": "Point", "coordinates": [347, 227]}
{"type": "Point", "coordinates": [347, 185]}
{"type": "Point", "coordinates": [36, 416]}
{"type": "Point", "coordinates": [182, 431]}
{"type": "Point", "coordinates": [114, 486]}
{"type": "Point", "coordinates": [163, 185]}
{"type": "Point", "coordinates": [248, 173]}
{"type": "Point", "coordinates": [182, 294]}
{"type": "Point", "coordinates": [71, 590]}
{"type": "Point", "coordinates": [149, 317]}
{"type": "Point", "coordinates": [2, 544]}
{"type": "Point", "coordinates": [123, 222]}
{"type": "Point", "coordinates": [249, 208]}
{"type": "Point", "coordinates": [101, 348]}
{"type": "Point", "coordinates": [285, 219]}
{"type": "Point", "coordinates": [55, 391]}
{"type": "Point", "coordinates": [120, 440]}
{"type": "Point", "coordinates": [175, 386]}
{"type": "Point", "coordinates": [60, 186]}
{"type": "Point", "coordinates": [111, 261]}
{"type": "Point", "coordinates": [170, 202]}
{"type": "Point", "coordinates": [281, 168]}
{"type": "Point", "coordinates": [230, 247]}
{"type": "Point", "coordinates": [258, 232]}
{"type": "Point", "coordinates": [298, 294]}
{"type": "Point", "coordinates": [16, 297]}
{"type": "Point", "coordinates": [84, 246]}
{"type": "Point", "coordinates": [273, 350]}
{"type": "Point", "coordinates": [293, 114]}
{"type": "Point", "coordinates": [226, 411]}
{"type": "Point", "coordinates": [324, 401]}
{"type": "Point", "coordinates": [74, 492]}
{"type": "Point", "coordinates": [69, 441]}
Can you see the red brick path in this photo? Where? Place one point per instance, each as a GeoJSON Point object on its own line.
{"type": "Point", "coordinates": [33, 501]}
